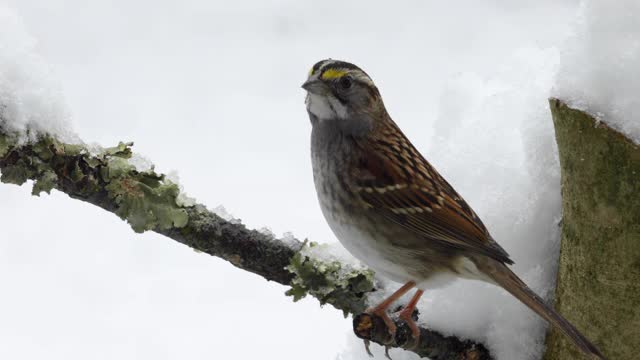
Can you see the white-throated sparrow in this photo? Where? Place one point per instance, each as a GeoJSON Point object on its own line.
{"type": "Point", "coordinates": [390, 208]}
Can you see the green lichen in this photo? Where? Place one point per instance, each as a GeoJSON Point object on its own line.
{"type": "Point", "coordinates": [5, 145]}
{"type": "Point", "coordinates": [123, 150]}
{"type": "Point", "coordinates": [117, 167]}
{"type": "Point", "coordinates": [18, 173]}
{"type": "Point", "coordinates": [43, 148]}
{"type": "Point", "coordinates": [45, 183]}
{"type": "Point", "coordinates": [144, 199]}
{"type": "Point", "coordinates": [32, 166]}
{"type": "Point", "coordinates": [147, 202]}
{"type": "Point", "coordinates": [331, 282]}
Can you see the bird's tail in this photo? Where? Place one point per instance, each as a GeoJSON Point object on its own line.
{"type": "Point", "coordinates": [502, 275]}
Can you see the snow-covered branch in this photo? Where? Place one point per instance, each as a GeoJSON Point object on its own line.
{"type": "Point", "coordinates": [149, 201]}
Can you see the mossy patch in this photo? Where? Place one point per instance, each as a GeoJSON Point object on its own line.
{"type": "Point", "coordinates": [44, 183]}
{"type": "Point", "coordinates": [5, 144]}
{"type": "Point", "coordinates": [330, 281]}
{"type": "Point", "coordinates": [146, 200]}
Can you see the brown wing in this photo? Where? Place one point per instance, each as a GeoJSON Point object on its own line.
{"type": "Point", "coordinates": [394, 179]}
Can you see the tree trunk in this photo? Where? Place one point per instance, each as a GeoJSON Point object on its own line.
{"type": "Point", "coordinates": [598, 285]}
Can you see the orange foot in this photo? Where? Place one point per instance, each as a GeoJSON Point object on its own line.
{"type": "Point", "coordinates": [391, 325]}
{"type": "Point", "coordinates": [381, 309]}
{"type": "Point", "coordinates": [406, 315]}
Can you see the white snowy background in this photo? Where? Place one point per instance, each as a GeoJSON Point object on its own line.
{"type": "Point", "coordinates": [212, 90]}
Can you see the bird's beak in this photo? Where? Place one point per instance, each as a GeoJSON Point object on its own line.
{"type": "Point", "coordinates": [315, 86]}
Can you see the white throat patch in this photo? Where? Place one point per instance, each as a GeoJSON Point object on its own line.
{"type": "Point", "coordinates": [325, 107]}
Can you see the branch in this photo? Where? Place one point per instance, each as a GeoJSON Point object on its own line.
{"type": "Point", "coordinates": [598, 274]}
{"type": "Point", "coordinates": [148, 201]}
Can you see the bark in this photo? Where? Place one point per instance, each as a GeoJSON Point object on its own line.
{"type": "Point", "coordinates": [598, 286]}
{"type": "Point", "coordinates": [150, 202]}
{"type": "Point", "coordinates": [431, 344]}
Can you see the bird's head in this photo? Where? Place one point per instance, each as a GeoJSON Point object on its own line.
{"type": "Point", "coordinates": [341, 91]}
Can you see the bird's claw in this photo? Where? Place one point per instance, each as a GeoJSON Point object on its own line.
{"type": "Point", "coordinates": [407, 315]}
{"type": "Point", "coordinates": [391, 325]}
{"type": "Point", "coordinates": [366, 347]}
{"type": "Point", "coordinates": [386, 352]}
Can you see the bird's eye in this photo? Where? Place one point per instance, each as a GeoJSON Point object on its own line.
{"type": "Point", "coordinates": [345, 82]}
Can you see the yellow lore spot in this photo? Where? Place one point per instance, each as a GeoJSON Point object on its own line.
{"type": "Point", "coordinates": [333, 74]}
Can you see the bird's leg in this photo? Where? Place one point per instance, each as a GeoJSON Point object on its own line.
{"type": "Point", "coordinates": [406, 315]}
{"type": "Point", "coordinates": [381, 309]}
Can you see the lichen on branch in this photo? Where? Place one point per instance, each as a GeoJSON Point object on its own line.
{"type": "Point", "coordinates": [149, 201]}
{"type": "Point", "coordinates": [330, 281]}
{"type": "Point", "coordinates": [146, 200]}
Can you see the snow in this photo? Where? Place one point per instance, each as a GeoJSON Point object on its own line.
{"type": "Point", "coordinates": [144, 164]}
{"type": "Point", "coordinates": [287, 238]}
{"type": "Point", "coordinates": [182, 199]}
{"type": "Point", "coordinates": [290, 239]}
{"type": "Point", "coordinates": [265, 230]}
{"type": "Point", "coordinates": [600, 64]}
{"type": "Point", "coordinates": [31, 102]}
{"type": "Point", "coordinates": [330, 252]}
{"type": "Point", "coordinates": [221, 211]}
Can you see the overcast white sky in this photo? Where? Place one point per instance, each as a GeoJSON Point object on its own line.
{"type": "Point", "coordinates": [212, 89]}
